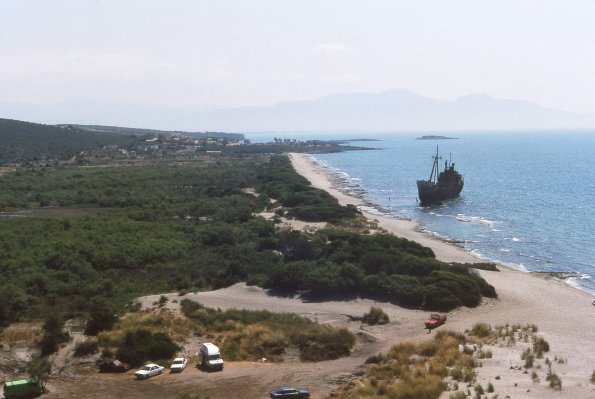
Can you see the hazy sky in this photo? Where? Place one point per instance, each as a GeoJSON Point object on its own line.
{"type": "Point", "coordinates": [231, 53]}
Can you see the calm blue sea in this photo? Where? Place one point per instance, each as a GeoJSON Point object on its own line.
{"type": "Point", "coordinates": [528, 200]}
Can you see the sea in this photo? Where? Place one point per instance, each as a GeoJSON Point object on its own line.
{"type": "Point", "coordinates": [528, 200]}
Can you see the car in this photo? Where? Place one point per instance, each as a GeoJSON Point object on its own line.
{"type": "Point", "coordinates": [149, 370]}
{"type": "Point", "coordinates": [113, 366]}
{"type": "Point", "coordinates": [178, 364]}
{"type": "Point", "coordinates": [290, 393]}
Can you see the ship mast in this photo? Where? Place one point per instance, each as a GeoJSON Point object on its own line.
{"type": "Point", "coordinates": [434, 173]}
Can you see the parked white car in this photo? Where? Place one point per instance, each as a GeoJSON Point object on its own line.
{"type": "Point", "coordinates": [178, 364]}
{"type": "Point", "coordinates": [149, 370]}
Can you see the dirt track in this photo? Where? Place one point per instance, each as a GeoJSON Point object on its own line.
{"type": "Point", "coordinates": [238, 379]}
{"type": "Point", "coordinates": [253, 379]}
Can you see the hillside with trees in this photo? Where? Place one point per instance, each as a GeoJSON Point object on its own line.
{"type": "Point", "coordinates": [33, 141]}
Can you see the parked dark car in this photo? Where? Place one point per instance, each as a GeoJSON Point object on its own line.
{"type": "Point", "coordinates": [113, 366]}
{"type": "Point", "coordinates": [290, 393]}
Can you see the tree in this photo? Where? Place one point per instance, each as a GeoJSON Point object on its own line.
{"type": "Point", "coordinates": [39, 368]}
{"type": "Point", "coordinates": [53, 335]}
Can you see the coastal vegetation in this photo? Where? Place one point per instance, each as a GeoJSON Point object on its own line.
{"type": "Point", "coordinates": [85, 241]}
{"type": "Point", "coordinates": [241, 335]}
{"type": "Point", "coordinates": [411, 371]}
{"type": "Point", "coordinates": [375, 316]}
{"type": "Point", "coordinates": [451, 362]}
{"type": "Point", "coordinates": [24, 141]}
{"type": "Point", "coordinates": [245, 334]}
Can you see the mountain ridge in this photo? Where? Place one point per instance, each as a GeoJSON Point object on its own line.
{"type": "Point", "coordinates": [390, 110]}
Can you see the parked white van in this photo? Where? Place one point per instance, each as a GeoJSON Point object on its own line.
{"type": "Point", "coordinates": [209, 357]}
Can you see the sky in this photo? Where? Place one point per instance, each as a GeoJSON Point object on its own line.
{"type": "Point", "coordinates": [227, 53]}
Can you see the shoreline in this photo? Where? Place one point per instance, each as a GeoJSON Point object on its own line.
{"type": "Point", "coordinates": [413, 230]}
{"type": "Point", "coordinates": [563, 313]}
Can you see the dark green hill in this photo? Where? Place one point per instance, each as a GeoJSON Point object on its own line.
{"type": "Point", "coordinates": [25, 141]}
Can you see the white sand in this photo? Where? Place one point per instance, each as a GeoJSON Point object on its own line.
{"type": "Point", "coordinates": [564, 315]}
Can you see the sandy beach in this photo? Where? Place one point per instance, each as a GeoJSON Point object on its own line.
{"type": "Point", "coordinates": [563, 314]}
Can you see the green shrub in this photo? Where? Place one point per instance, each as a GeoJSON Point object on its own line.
{"type": "Point", "coordinates": [540, 346]}
{"type": "Point", "coordinates": [593, 378]}
{"type": "Point", "coordinates": [100, 320]}
{"type": "Point", "coordinates": [376, 359]}
{"type": "Point", "coordinates": [86, 347]}
{"type": "Point", "coordinates": [534, 377]}
{"type": "Point", "coordinates": [162, 301]}
{"type": "Point", "coordinates": [316, 342]}
{"type": "Point", "coordinates": [479, 389]}
{"type": "Point", "coordinates": [323, 344]}
{"type": "Point", "coordinates": [555, 381]}
{"type": "Point", "coordinates": [481, 330]}
{"type": "Point", "coordinates": [53, 335]}
{"type": "Point", "coordinates": [375, 316]}
{"type": "Point", "coordinates": [141, 345]}
{"type": "Point", "coordinates": [490, 388]}
{"type": "Point", "coordinates": [458, 395]}
{"type": "Point", "coordinates": [39, 368]}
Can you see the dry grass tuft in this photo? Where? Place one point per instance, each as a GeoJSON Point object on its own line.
{"type": "Point", "coordinates": [27, 332]}
{"type": "Point", "coordinates": [412, 371]}
{"type": "Point", "coordinates": [162, 321]}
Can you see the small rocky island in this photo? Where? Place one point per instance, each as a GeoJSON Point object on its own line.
{"type": "Point", "coordinates": [435, 137]}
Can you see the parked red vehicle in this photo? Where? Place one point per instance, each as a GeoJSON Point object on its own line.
{"type": "Point", "coordinates": [114, 366]}
{"type": "Point", "coordinates": [435, 320]}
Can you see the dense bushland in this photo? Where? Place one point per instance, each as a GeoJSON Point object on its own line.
{"type": "Point", "coordinates": [140, 346]}
{"type": "Point", "coordinates": [381, 265]}
{"type": "Point", "coordinates": [92, 239]}
{"type": "Point", "coordinates": [24, 140]}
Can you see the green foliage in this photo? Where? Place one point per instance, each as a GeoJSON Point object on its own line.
{"type": "Point", "coordinates": [100, 319]}
{"type": "Point", "coordinates": [555, 381]}
{"type": "Point", "coordinates": [481, 330]}
{"type": "Point", "coordinates": [115, 233]}
{"type": "Point", "coordinates": [53, 335]}
{"type": "Point", "coordinates": [540, 346]}
{"type": "Point", "coordinates": [275, 333]}
{"type": "Point", "coordinates": [375, 316]}
{"type": "Point", "coordinates": [479, 389]}
{"type": "Point", "coordinates": [281, 182]}
{"type": "Point", "coordinates": [379, 265]}
{"type": "Point", "coordinates": [39, 368]}
{"type": "Point", "coordinates": [32, 141]}
{"type": "Point", "coordinates": [534, 377]}
{"type": "Point", "coordinates": [86, 347]}
{"type": "Point", "coordinates": [481, 266]}
{"type": "Point", "coordinates": [140, 346]}
{"type": "Point", "coordinates": [375, 359]}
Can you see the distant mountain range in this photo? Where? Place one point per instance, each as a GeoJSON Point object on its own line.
{"type": "Point", "coordinates": [392, 110]}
